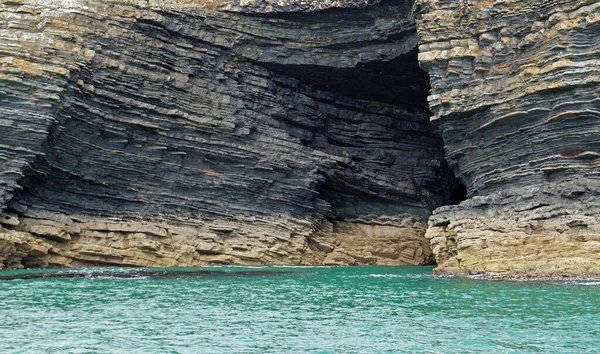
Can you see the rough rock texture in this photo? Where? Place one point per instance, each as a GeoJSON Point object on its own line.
{"type": "Point", "coordinates": [516, 96]}
{"type": "Point", "coordinates": [173, 133]}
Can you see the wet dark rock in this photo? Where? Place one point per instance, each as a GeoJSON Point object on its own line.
{"type": "Point", "coordinates": [515, 95]}
{"type": "Point", "coordinates": [175, 133]}
{"type": "Point", "coordinates": [147, 274]}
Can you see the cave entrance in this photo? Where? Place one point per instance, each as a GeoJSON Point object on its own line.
{"type": "Point", "coordinates": [399, 82]}
{"type": "Point", "coordinates": [395, 163]}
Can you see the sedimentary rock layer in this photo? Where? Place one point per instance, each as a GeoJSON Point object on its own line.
{"type": "Point", "coordinates": [174, 133]}
{"type": "Point", "coordinates": [516, 96]}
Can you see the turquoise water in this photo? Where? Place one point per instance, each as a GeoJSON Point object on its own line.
{"type": "Point", "coordinates": [295, 310]}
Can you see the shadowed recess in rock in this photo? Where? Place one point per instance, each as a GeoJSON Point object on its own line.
{"type": "Point", "coordinates": [188, 136]}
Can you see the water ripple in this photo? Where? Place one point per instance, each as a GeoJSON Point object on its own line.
{"type": "Point", "coordinates": [293, 310]}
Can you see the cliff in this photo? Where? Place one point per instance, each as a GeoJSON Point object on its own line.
{"type": "Point", "coordinates": [171, 132]}
{"type": "Point", "coordinates": [516, 96]}
{"type": "Point", "coordinates": [191, 132]}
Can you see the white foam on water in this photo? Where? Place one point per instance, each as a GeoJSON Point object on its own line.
{"type": "Point", "coordinates": [592, 283]}
{"type": "Point", "coordinates": [387, 275]}
{"type": "Point", "coordinates": [411, 276]}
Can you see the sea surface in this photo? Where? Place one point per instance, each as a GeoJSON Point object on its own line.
{"type": "Point", "coordinates": [292, 310]}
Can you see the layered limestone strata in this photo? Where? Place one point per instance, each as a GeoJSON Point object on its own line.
{"type": "Point", "coordinates": [175, 133]}
{"type": "Point", "coordinates": [45, 239]}
{"type": "Point", "coordinates": [516, 96]}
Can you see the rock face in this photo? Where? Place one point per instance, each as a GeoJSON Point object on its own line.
{"type": "Point", "coordinates": [516, 97]}
{"type": "Point", "coordinates": [172, 132]}
{"type": "Point", "coordinates": [175, 133]}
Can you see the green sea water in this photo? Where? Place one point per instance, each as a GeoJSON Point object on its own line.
{"type": "Point", "coordinates": [294, 310]}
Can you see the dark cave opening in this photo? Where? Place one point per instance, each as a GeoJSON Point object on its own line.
{"type": "Point", "coordinates": [399, 82]}
{"type": "Point", "coordinates": [396, 162]}
{"type": "Point", "coordinates": [459, 194]}
{"type": "Point", "coordinates": [400, 156]}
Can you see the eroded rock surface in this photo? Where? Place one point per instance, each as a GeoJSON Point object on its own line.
{"type": "Point", "coordinates": [174, 133]}
{"type": "Point", "coordinates": [516, 96]}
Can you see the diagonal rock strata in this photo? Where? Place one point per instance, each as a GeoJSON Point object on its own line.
{"type": "Point", "coordinates": [516, 97]}
{"type": "Point", "coordinates": [177, 133]}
